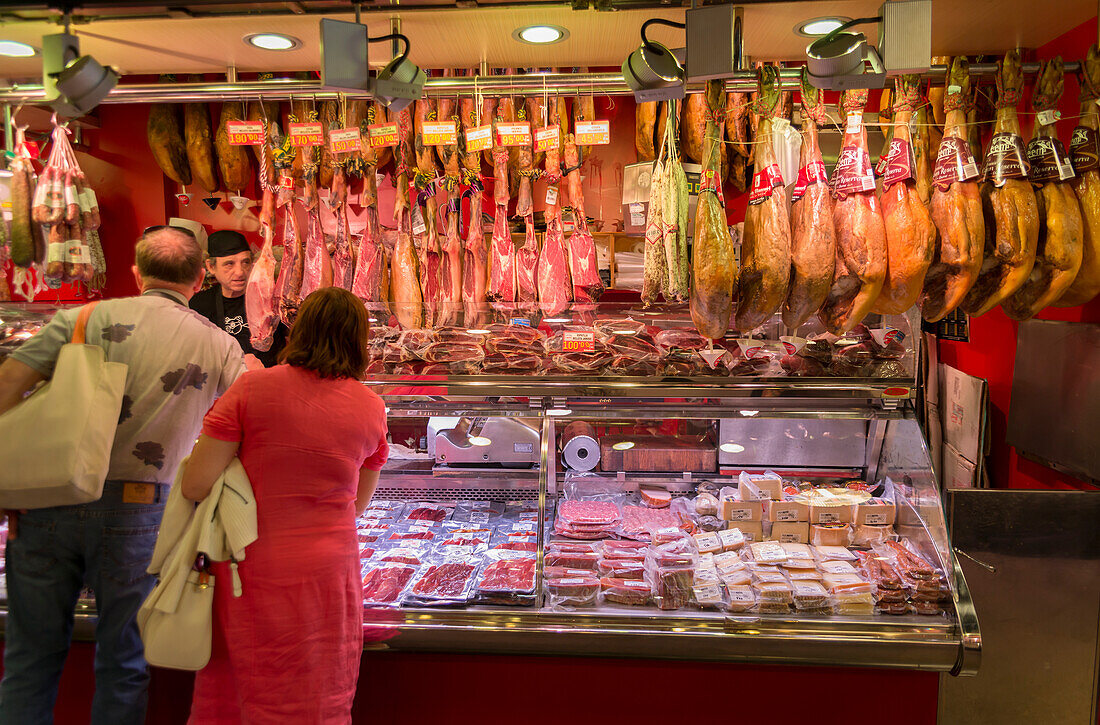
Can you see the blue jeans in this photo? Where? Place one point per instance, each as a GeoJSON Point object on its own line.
{"type": "Point", "coordinates": [107, 544]}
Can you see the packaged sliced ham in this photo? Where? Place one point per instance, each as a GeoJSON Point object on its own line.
{"type": "Point", "coordinates": [654, 496]}
{"type": "Point", "coordinates": [631, 592]}
{"type": "Point", "coordinates": [571, 559]}
{"type": "Point", "coordinates": [577, 591]}
{"type": "Point", "coordinates": [623, 549]}
{"type": "Point", "coordinates": [446, 583]}
{"type": "Point", "coordinates": [621, 568]}
{"type": "Point", "coordinates": [427, 511]}
{"type": "Point", "coordinates": [506, 580]}
{"type": "Point", "coordinates": [384, 584]}
{"type": "Point", "coordinates": [671, 586]}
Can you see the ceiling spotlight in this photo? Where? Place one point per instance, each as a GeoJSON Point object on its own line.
{"type": "Point", "coordinates": [835, 62]}
{"type": "Point", "coordinates": [819, 26]}
{"type": "Point", "coordinates": [401, 82]}
{"type": "Point", "coordinates": [273, 41]}
{"type": "Point", "coordinates": [74, 84]}
{"type": "Point", "coordinates": [15, 49]}
{"type": "Point", "coordinates": [540, 34]}
{"type": "Point", "coordinates": [652, 71]}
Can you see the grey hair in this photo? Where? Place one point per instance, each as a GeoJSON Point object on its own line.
{"type": "Point", "coordinates": [169, 254]}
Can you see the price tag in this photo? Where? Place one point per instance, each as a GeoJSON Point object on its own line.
{"type": "Point", "coordinates": [418, 225]}
{"type": "Point", "coordinates": [547, 139]}
{"type": "Point", "coordinates": [637, 214]}
{"type": "Point", "coordinates": [521, 321]}
{"type": "Point", "coordinates": [551, 195]}
{"type": "Point", "coordinates": [439, 133]}
{"type": "Point", "coordinates": [245, 133]}
{"type": "Point", "coordinates": [382, 134]}
{"type": "Point", "coordinates": [593, 133]}
{"type": "Point", "coordinates": [344, 140]}
{"type": "Point", "coordinates": [1049, 117]}
{"type": "Point", "coordinates": [854, 124]}
{"type": "Point", "coordinates": [286, 182]}
{"type": "Point", "coordinates": [514, 134]}
{"type": "Point", "coordinates": [306, 134]}
{"type": "Point", "coordinates": [479, 139]}
{"type": "Point", "coordinates": [576, 341]}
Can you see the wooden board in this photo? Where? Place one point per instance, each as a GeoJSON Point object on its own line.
{"type": "Point", "coordinates": [663, 454]}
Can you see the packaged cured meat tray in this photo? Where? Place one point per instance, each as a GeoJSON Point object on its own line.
{"type": "Point", "coordinates": [447, 583]}
{"type": "Point", "coordinates": [634, 343]}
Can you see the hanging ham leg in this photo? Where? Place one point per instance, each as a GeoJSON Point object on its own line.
{"type": "Point", "coordinates": [475, 258]}
{"type": "Point", "coordinates": [956, 211]}
{"type": "Point", "coordinates": [343, 263]}
{"type": "Point", "coordinates": [318, 264]}
{"type": "Point", "coordinates": [502, 264]}
{"type": "Point", "coordinates": [431, 262]}
{"type": "Point", "coordinates": [259, 294]}
{"type": "Point", "coordinates": [860, 266]}
{"type": "Point", "coordinates": [1087, 283]}
{"type": "Point", "coordinates": [583, 265]}
{"type": "Point", "coordinates": [714, 268]}
{"type": "Point", "coordinates": [404, 270]}
{"type": "Point", "coordinates": [527, 264]}
{"type": "Point", "coordinates": [1061, 231]}
{"type": "Point", "coordinates": [910, 234]}
{"type": "Point", "coordinates": [370, 269]}
{"type": "Point", "coordinates": [288, 286]}
{"type": "Point", "coordinates": [766, 249]}
{"type": "Point", "coordinates": [450, 309]}
{"type": "Point", "coordinates": [555, 287]}
{"type": "Point", "coordinates": [813, 236]}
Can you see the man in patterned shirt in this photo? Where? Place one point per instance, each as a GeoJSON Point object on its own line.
{"type": "Point", "coordinates": [177, 364]}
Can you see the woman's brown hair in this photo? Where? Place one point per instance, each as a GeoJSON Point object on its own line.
{"type": "Point", "coordinates": [330, 335]}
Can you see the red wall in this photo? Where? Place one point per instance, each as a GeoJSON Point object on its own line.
{"type": "Point", "coordinates": [991, 352]}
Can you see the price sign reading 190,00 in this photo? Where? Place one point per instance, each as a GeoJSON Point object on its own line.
{"type": "Point", "coordinates": [574, 341]}
{"type": "Point", "coordinates": [245, 133]}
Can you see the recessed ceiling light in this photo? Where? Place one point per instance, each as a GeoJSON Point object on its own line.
{"type": "Point", "coordinates": [273, 41]}
{"type": "Point", "coordinates": [540, 34]}
{"type": "Point", "coordinates": [819, 26]}
{"type": "Point", "coordinates": [15, 49]}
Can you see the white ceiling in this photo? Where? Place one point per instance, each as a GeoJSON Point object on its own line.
{"type": "Point", "coordinates": [466, 37]}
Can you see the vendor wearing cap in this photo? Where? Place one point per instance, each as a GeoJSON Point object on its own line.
{"type": "Point", "coordinates": [230, 261]}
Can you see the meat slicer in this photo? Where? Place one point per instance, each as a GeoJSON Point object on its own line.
{"type": "Point", "coordinates": [484, 441]}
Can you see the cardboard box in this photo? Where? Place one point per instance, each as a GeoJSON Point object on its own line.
{"type": "Point", "coordinates": [876, 512]}
{"type": "Point", "coordinates": [787, 511]}
{"type": "Point", "coordinates": [831, 514]}
{"type": "Point", "coordinates": [790, 532]}
{"type": "Point", "coordinates": [958, 472]}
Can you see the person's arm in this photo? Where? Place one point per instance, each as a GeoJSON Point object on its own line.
{"type": "Point", "coordinates": [368, 481]}
{"type": "Point", "coordinates": [16, 380]}
{"type": "Point", "coordinates": [208, 460]}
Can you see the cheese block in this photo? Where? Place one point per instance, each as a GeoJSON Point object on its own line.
{"type": "Point", "coordinates": [832, 514]}
{"type": "Point", "coordinates": [790, 532]}
{"type": "Point", "coordinates": [826, 552]}
{"type": "Point", "coordinates": [727, 562]}
{"type": "Point", "coordinates": [834, 566]}
{"type": "Point", "coordinates": [787, 511]}
{"type": "Point", "coordinates": [797, 551]}
{"type": "Point", "coordinates": [731, 539]}
{"type": "Point", "coordinates": [768, 552]}
{"type": "Point", "coordinates": [829, 534]}
{"type": "Point", "coordinates": [741, 598]}
{"type": "Point", "coordinates": [805, 574]}
{"type": "Point", "coordinates": [845, 583]}
{"type": "Point", "coordinates": [751, 530]}
{"type": "Point", "coordinates": [809, 594]}
{"type": "Point", "coordinates": [751, 487]}
{"type": "Point", "coordinates": [737, 578]}
{"type": "Point", "coordinates": [732, 508]}
{"type": "Point", "coordinates": [876, 512]}
{"type": "Point", "coordinates": [708, 542]}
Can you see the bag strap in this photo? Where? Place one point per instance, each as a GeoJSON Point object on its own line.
{"type": "Point", "coordinates": [82, 322]}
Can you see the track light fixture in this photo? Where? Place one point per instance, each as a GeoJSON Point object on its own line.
{"type": "Point", "coordinates": [836, 61]}
{"type": "Point", "coordinates": [401, 81]}
{"type": "Point", "coordinates": [652, 71]}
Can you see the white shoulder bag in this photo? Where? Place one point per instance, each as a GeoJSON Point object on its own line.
{"type": "Point", "coordinates": [56, 444]}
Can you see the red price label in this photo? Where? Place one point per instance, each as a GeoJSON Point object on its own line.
{"type": "Point", "coordinates": [245, 133]}
{"type": "Point", "coordinates": [514, 134]}
{"type": "Point", "coordinates": [547, 139]}
{"type": "Point", "coordinates": [439, 133]}
{"type": "Point", "coordinates": [593, 133]}
{"type": "Point", "coordinates": [306, 134]}
{"type": "Point", "coordinates": [344, 140]}
{"type": "Point", "coordinates": [286, 182]}
{"type": "Point", "coordinates": [479, 139]}
{"type": "Point", "coordinates": [573, 341]}
{"type": "Point", "coordinates": [382, 134]}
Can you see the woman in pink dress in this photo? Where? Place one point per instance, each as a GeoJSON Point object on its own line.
{"type": "Point", "coordinates": [312, 439]}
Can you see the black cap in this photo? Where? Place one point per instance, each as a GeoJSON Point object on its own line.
{"type": "Point", "coordinates": [226, 243]}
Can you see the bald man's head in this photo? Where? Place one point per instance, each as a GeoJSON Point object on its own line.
{"type": "Point", "coordinates": [169, 255]}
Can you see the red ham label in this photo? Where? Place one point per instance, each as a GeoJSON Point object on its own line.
{"type": "Point", "coordinates": [382, 134]}
{"type": "Point", "coordinates": [439, 133]}
{"type": "Point", "coordinates": [1049, 160]}
{"type": "Point", "coordinates": [1006, 159]}
{"type": "Point", "coordinates": [708, 181]}
{"type": "Point", "coordinates": [954, 162]}
{"type": "Point", "coordinates": [547, 139]}
{"type": "Point", "coordinates": [764, 182]}
{"type": "Point", "coordinates": [812, 173]}
{"type": "Point", "coordinates": [593, 133]}
{"type": "Point", "coordinates": [899, 163]}
{"type": "Point", "coordinates": [479, 139]}
{"type": "Point", "coordinates": [576, 341]}
{"type": "Point", "coordinates": [513, 134]}
{"type": "Point", "coordinates": [344, 140]}
{"type": "Point", "coordinates": [1084, 149]}
{"type": "Point", "coordinates": [286, 182]}
{"type": "Point", "coordinates": [245, 133]}
{"type": "Point", "coordinates": [853, 173]}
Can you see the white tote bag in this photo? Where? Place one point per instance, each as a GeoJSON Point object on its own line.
{"type": "Point", "coordinates": [56, 444]}
{"type": "Point", "coordinates": [179, 638]}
